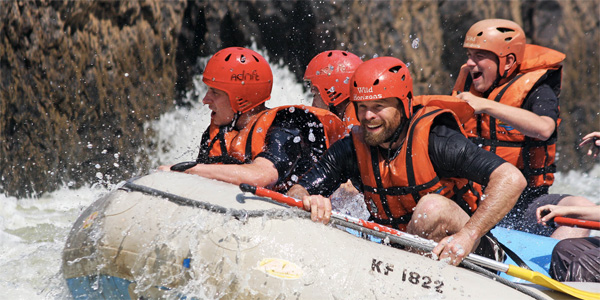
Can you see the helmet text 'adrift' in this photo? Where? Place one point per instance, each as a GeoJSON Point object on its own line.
{"type": "Point", "coordinates": [245, 76]}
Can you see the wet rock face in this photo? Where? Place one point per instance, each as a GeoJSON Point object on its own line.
{"type": "Point", "coordinates": [78, 79]}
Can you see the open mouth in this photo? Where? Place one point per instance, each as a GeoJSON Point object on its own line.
{"type": "Point", "coordinates": [476, 75]}
{"type": "Point", "coordinates": [373, 126]}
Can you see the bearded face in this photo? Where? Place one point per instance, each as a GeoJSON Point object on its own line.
{"type": "Point", "coordinates": [379, 119]}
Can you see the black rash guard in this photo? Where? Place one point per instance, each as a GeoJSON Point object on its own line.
{"type": "Point", "coordinates": [451, 154]}
{"type": "Point", "coordinates": [294, 142]}
{"type": "Point", "coordinates": [543, 102]}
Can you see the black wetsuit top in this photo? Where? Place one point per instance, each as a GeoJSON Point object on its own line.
{"type": "Point", "coordinates": [451, 154]}
{"type": "Point", "coordinates": [294, 142]}
{"type": "Point", "coordinates": [542, 101]}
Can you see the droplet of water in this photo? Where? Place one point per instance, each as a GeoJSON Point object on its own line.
{"type": "Point", "coordinates": [415, 43]}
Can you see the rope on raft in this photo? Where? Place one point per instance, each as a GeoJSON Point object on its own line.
{"type": "Point", "coordinates": [278, 213]}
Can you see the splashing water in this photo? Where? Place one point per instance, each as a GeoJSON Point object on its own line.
{"type": "Point", "coordinates": [415, 43]}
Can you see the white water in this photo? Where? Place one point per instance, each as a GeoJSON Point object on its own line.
{"type": "Point", "coordinates": [33, 231]}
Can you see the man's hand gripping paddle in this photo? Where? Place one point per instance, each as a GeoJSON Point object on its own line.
{"type": "Point", "coordinates": [564, 221]}
{"type": "Point", "coordinates": [428, 245]}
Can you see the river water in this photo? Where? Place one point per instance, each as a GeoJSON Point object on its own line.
{"type": "Point", "coordinates": [33, 231]}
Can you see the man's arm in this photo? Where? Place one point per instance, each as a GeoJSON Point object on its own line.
{"type": "Point", "coordinates": [453, 155]}
{"type": "Point", "coordinates": [334, 168]}
{"type": "Point", "coordinates": [261, 172]}
{"type": "Point", "coordinates": [279, 153]}
{"type": "Point", "coordinates": [527, 122]}
{"type": "Point", "coordinates": [504, 187]}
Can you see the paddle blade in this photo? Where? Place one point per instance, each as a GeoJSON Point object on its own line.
{"type": "Point", "coordinates": [550, 283]}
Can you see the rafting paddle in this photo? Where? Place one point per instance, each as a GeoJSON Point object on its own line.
{"type": "Point", "coordinates": [564, 221]}
{"type": "Point", "coordinates": [428, 245]}
{"type": "Point", "coordinates": [576, 223]}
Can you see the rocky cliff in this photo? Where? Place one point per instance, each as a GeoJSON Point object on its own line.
{"type": "Point", "coordinates": [79, 79]}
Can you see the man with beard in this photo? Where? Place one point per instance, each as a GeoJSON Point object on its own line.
{"type": "Point", "coordinates": [411, 163]}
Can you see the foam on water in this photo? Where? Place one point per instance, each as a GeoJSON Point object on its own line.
{"type": "Point", "coordinates": [32, 236]}
{"type": "Point", "coordinates": [33, 231]}
{"type": "Point", "coordinates": [578, 183]}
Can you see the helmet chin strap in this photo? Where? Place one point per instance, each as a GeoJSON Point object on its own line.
{"type": "Point", "coordinates": [331, 108]}
{"type": "Point", "coordinates": [394, 137]}
{"type": "Point", "coordinates": [236, 117]}
{"type": "Point", "coordinates": [396, 134]}
{"type": "Point", "coordinates": [401, 127]}
{"type": "Point", "coordinates": [496, 83]}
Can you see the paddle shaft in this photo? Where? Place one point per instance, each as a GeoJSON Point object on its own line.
{"type": "Point", "coordinates": [263, 192]}
{"type": "Point", "coordinates": [577, 223]}
{"type": "Point", "coordinates": [428, 245]}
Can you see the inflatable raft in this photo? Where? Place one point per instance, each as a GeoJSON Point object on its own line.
{"type": "Point", "coordinates": [173, 235]}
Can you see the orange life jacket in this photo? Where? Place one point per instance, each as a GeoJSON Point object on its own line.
{"type": "Point", "coordinates": [350, 119]}
{"type": "Point", "coordinates": [393, 188]}
{"type": "Point", "coordinates": [251, 140]}
{"type": "Point", "coordinates": [214, 145]}
{"type": "Point", "coordinates": [534, 157]}
{"type": "Point", "coordinates": [322, 129]}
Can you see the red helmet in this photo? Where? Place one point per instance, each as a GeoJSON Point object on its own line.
{"type": "Point", "coordinates": [243, 74]}
{"type": "Point", "coordinates": [330, 73]}
{"type": "Point", "coordinates": [380, 78]}
{"type": "Point", "coordinates": [502, 37]}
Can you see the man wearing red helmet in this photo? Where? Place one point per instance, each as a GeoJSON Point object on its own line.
{"type": "Point", "coordinates": [520, 123]}
{"type": "Point", "coordinates": [412, 163]}
{"type": "Point", "coordinates": [248, 143]}
{"type": "Point", "coordinates": [328, 75]}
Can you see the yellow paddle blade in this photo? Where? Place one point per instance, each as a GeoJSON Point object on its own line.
{"type": "Point", "coordinates": [550, 283]}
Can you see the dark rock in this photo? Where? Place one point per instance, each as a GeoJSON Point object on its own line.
{"type": "Point", "coordinates": [78, 81]}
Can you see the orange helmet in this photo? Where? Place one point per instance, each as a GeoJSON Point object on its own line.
{"type": "Point", "coordinates": [380, 78]}
{"type": "Point", "coordinates": [243, 74]}
{"type": "Point", "coordinates": [330, 73]}
{"type": "Point", "coordinates": [502, 37]}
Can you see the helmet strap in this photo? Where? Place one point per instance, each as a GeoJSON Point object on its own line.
{"type": "Point", "coordinates": [393, 138]}
{"type": "Point", "coordinates": [331, 108]}
{"type": "Point", "coordinates": [495, 84]}
{"type": "Point", "coordinates": [236, 117]}
{"type": "Point", "coordinates": [396, 134]}
{"type": "Point", "coordinates": [401, 127]}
